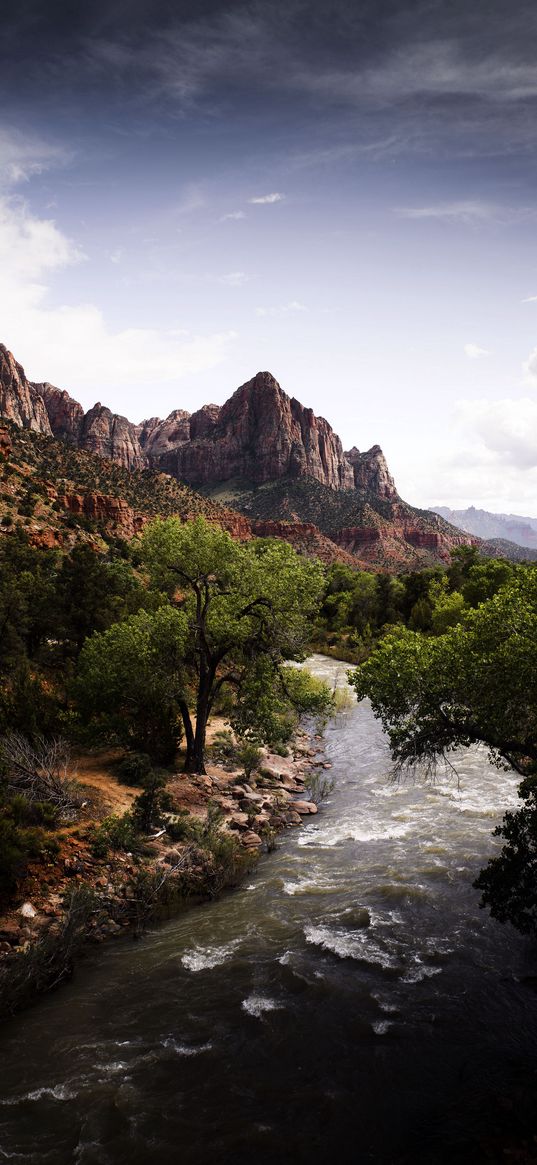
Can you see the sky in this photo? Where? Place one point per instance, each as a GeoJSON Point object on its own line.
{"type": "Point", "coordinates": [341, 192]}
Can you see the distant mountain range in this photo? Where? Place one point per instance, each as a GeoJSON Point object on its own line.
{"type": "Point", "coordinates": [262, 454]}
{"type": "Point", "coordinates": [481, 523]}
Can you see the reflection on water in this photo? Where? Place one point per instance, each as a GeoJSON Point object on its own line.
{"type": "Point", "coordinates": [351, 998]}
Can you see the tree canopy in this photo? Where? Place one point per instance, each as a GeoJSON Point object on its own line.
{"type": "Point", "coordinates": [233, 614]}
{"type": "Point", "coordinates": [477, 682]}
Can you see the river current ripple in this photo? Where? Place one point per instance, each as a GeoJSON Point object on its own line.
{"type": "Point", "coordinates": [350, 998]}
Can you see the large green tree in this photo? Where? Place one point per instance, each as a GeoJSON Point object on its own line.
{"type": "Point", "coordinates": [475, 683]}
{"type": "Point", "coordinates": [131, 681]}
{"type": "Point", "coordinates": [243, 602]}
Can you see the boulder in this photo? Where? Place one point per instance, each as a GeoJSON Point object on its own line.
{"type": "Point", "coordinates": [251, 840]}
{"type": "Point", "coordinates": [10, 931]}
{"type": "Point", "coordinates": [304, 807]}
{"type": "Point", "coordinates": [27, 910]}
{"type": "Point", "coordinates": [238, 821]}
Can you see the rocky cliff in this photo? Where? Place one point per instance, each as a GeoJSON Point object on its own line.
{"type": "Point", "coordinates": [259, 435]}
{"type": "Point", "coordinates": [263, 453]}
{"type": "Point", "coordinates": [20, 401]}
{"type": "Point", "coordinates": [371, 473]}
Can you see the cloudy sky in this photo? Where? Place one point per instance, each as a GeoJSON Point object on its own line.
{"type": "Point", "coordinates": [342, 192]}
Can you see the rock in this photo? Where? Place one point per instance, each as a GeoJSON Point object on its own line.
{"type": "Point", "coordinates": [251, 840]}
{"type": "Point", "coordinates": [260, 434]}
{"type": "Point", "coordinates": [10, 931]}
{"type": "Point", "coordinates": [250, 801]}
{"type": "Point", "coordinates": [238, 821]}
{"type": "Point", "coordinates": [371, 472]}
{"type": "Point", "coordinates": [111, 926]}
{"type": "Point", "coordinates": [304, 807]}
{"type": "Point", "coordinates": [289, 782]}
{"type": "Point", "coordinates": [261, 819]}
{"type": "Point", "coordinates": [27, 910]}
{"type": "Point", "coordinates": [19, 401]}
{"type": "Point", "coordinates": [329, 504]}
{"type": "Point", "coordinates": [292, 818]}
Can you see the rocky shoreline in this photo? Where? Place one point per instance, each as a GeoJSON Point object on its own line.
{"type": "Point", "coordinates": [75, 898]}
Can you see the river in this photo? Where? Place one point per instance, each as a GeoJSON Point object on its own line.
{"type": "Point", "coordinates": [349, 999]}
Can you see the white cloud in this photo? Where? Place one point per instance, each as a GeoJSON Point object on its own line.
{"type": "Point", "coordinates": [235, 278]}
{"type": "Point", "coordinates": [22, 156]}
{"type": "Point", "coordinates": [233, 214]}
{"type": "Point", "coordinates": [282, 310]}
{"type": "Point", "coordinates": [506, 428]}
{"type": "Point", "coordinates": [72, 345]}
{"type": "Point", "coordinates": [529, 299]}
{"type": "Point", "coordinates": [474, 352]}
{"type": "Point", "coordinates": [265, 199]}
{"type": "Point", "coordinates": [469, 212]}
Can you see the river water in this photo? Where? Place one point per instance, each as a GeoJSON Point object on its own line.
{"type": "Point", "coordinates": [350, 998]}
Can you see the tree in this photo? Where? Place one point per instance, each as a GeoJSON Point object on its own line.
{"type": "Point", "coordinates": [94, 592]}
{"type": "Point", "coordinates": [242, 603]}
{"type": "Point", "coordinates": [132, 678]}
{"type": "Point", "coordinates": [475, 683]}
{"type": "Point", "coordinates": [509, 881]}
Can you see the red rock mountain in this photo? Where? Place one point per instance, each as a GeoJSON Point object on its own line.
{"type": "Point", "coordinates": [275, 461]}
{"type": "Point", "coordinates": [260, 434]}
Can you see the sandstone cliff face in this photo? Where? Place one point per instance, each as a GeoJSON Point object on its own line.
{"type": "Point", "coordinates": [19, 402]}
{"type": "Point", "coordinates": [65, 415]}
{"type": "Point", "coordinates": [371, 472]}
{"type": "Point", "coordinates": [260, 435]}
{"type": "Point", "coordinates": [334, 505]}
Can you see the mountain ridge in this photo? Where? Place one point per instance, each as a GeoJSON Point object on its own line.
{"type": "Point", "coordinates": [492, 527]}
{"type": "Point", "coordinates": [269, 456]}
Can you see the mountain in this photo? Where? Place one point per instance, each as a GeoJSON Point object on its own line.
{"type": "Point", "coordinates": [503, 527]}
{"type": "Point", "coordinates": [263, 454]}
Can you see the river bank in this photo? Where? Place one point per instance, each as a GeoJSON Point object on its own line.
{"type": "Point", "coordinates": [349, 998]}
{"type": "Point", "coordinates": [74, 898]}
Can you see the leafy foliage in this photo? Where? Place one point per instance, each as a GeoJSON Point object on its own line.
{"type": "Point", "coordinates": [477, 682]}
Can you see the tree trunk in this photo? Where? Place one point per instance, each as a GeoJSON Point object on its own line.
{"type": "Point", "coordinates": [189, 736]}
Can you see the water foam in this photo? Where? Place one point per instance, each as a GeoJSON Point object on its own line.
{"type": "Point", "coordinates": [205, 958]}
{"type": "Point", "coordinates": [381, 1026]}
{"type": "Point", "coordinates": [349, 945]}
{"type": "Point", "coordinates": [58, 1092]}
{"type": "Point", "coordinates": [184, 1049]}
{"type": "Point", "coordinates": [256, 1005]}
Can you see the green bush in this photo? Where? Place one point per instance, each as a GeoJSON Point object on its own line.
{"type": "Point", "coordinates": [17, 847]}
{"type": "Point", "coordinates": [114, 833]}
{"type": "Point", "coordinates": [134, 769]}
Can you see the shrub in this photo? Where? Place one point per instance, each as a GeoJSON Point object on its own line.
{"type": "Point", "coordinates": [134, 768]}
{"type": "Point", "coordinates": [17, 847]}
{"type": "Point", "coordinates": [114, 833]}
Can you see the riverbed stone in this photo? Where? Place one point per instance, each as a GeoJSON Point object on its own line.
{"type": "Point", "coordinates": [304, 807]}
{"type": "Point", "coordinates": [27, 910]}
{"type": "Point", "coordinates": [251, 840]}
{"type": "Point", "coordinates": [238, 821]}
{"type": "Point", "coordinates": [10, 931]}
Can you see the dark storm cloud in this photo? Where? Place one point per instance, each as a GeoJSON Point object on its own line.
{"type": "Point", "coordinates": [441, 74]}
